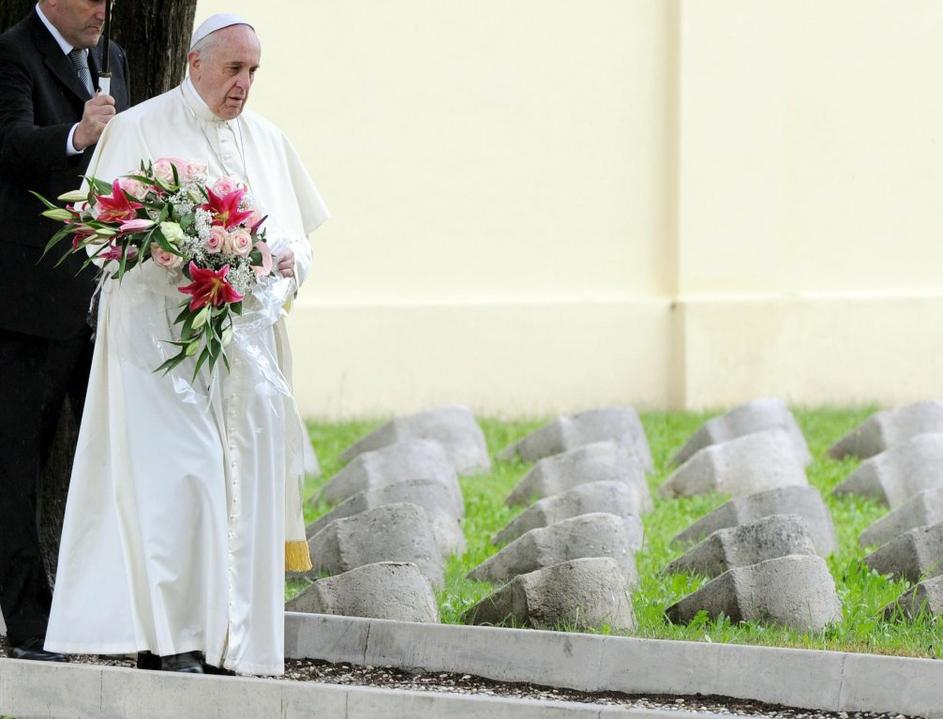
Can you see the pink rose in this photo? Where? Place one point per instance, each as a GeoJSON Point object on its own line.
{"type": "Point", "coordinates": [163, 169]}
{"type": "Point", "coordinates": [217, 239]}
{"type": "Point", "coordinates": [266, 267]}
{"type": "Point", "coordinates": [135, 188]}
{"type": "Point", "coordinates": [224, 185]}
{"type": "Point", "coordinates": [239, 242]}
{"type": "Point", "coordinates": [165, 259]}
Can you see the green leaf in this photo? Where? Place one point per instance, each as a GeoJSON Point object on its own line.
{"type": "Point", "coordinates": [64, 257]}
{"type": "Point", "coordinates": [204, 355]}
{"type": "Point", "coordinates": [61, 233]}
{"type": "Point", "coordinates": [123, 264]}
{"type": "Point", "coordinates": [164, 244]}
{"type": "Point", "coordinates": [46, 202]}
{"type": "Point", "coordinates": [172, 362]}
{"type": "Point", "coordinates": [99, 187]}
{"type": "Point", "coordinates": [184, 313]}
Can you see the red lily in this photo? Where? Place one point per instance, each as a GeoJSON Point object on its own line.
{"type": "Point", "coordinates": [209, 287]}
{"type": "Point", "coordinates": [225, 209]}
{"type": "Point", "coordinates": [116, 207]}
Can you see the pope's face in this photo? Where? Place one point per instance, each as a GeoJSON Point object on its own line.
{"type": "Point", "coordinates": [223, 73]}
{"type": "Point", "coordinates": [79, 21]}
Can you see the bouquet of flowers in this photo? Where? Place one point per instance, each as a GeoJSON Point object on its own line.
{"type": "Point", "coordinates": [167, 212]}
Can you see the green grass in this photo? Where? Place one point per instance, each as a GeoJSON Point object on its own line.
{"type": "Point", "coordinates": [863, 592]}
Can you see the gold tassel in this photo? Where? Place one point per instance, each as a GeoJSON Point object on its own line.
{"type": "Point", "coordinates": [297, 557]}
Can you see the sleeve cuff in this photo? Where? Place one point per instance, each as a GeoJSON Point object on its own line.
{"type": "Point", "coordinates": [69, 147]}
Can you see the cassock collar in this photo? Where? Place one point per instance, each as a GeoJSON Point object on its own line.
{"type": "Point", "coordinates": [199, 107]}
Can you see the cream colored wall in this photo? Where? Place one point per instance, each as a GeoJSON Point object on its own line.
{"type": "Point", "coordinates": [541, 206]}
{"type": "Point", "coordinates": [810, 213]}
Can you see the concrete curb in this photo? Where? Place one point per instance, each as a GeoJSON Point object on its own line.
{"type": "Point", "coordinates": [809, 679]}
{"type": "Point", "coordinates": [36, 690]}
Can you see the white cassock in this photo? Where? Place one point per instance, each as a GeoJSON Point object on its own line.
{"type": "Point", "coordinates": [175, 536]}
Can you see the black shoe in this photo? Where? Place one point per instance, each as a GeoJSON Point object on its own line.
{"type": "Point", "coordinates": [188, 662]}
{"type": "Point", "coordinates": [32, 649]}
{"type": "Point", "coordinates": [147, 660]}
{"type": "Point", "coordinates": [219, 671]}
{"type": "Point", "coordinates": [210, 669]}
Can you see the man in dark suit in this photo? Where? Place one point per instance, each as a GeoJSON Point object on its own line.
{"type": "Point", "coordinates": [51, 116]}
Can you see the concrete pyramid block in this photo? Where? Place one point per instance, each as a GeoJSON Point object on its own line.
{"type": "Point", "coordinates": [745, 465]}
{"type": "Point", "coordinates": [616, 424]}
{"type": "Point", "coordinates": [796, 591]}
{"type": "Point", "coordinates": [913, 555]}
{"type": "Point", "coordinates": [926, 596]}
{"type": "Point", "coordinates": [897, 474]}
{"type": "Point", "coordinates": [398, 532]}
{"type": "Point", "coordinates": [755, 416]}
{"type": "Point", "coordinates": [883, 430]}
{"type": "Point", "coordinates": [589, 535]}
{"type": "Point", "coordinates": [435, 498]}
{"type": "Point", "coordinates": [777, 535]}
{"type": "Point", "coordinates": [455, 428]}
{"type": "Point", "coordinates": [384, 590]}
{"type": "Point", "coordinates": [803, 501]}
{"type": "Point", "coordinates": [616, 498]}
{"type": "Point", "coordinates": [581, 593]}
{"type": "Point", "coordinates": [399, 462]}
{"type": "Point", "coordinates": [596, 462]}
{"type": "Point", "coordinates": [921, 510]}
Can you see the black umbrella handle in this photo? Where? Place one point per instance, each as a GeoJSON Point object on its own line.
{"type": "Point", "coordinates": [104, 77]}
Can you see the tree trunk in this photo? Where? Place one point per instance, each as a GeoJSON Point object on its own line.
{"type": "Point", "coordinates": [155, 34]}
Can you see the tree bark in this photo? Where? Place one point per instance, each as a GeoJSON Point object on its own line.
{"type": "Point", "coordinates": [155, 34]}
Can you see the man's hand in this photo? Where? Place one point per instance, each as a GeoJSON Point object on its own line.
{"type": "Point", "coordinates": [286, 264]}
{"type": "Point", "coordinates": [98, 113]}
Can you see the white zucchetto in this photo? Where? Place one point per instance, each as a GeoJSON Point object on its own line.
{"type": "Point", "coordinates": [214, 23]}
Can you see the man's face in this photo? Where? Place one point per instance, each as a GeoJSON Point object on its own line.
{"type": "Point", "coordinates": [79, 21]}
{"type": "Point", "coordinates": [223, 74]}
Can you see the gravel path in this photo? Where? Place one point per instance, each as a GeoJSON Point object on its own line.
{"type": "Point", "coordinates": [388, 678]}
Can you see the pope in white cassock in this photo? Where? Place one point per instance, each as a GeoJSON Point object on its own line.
{"type": "Point", "coordinates": [184, 508]}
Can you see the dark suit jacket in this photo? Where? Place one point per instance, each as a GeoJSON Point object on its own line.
{"type": "Point", "coordinates": [41, 98]}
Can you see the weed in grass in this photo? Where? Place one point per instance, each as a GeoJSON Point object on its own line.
{"type": "Point", "coordinates": [863, 592]}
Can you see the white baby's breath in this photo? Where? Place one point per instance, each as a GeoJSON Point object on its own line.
{"type": "Point", "coordinates": [241, 276]}
{"type": "Point", "coordinates": [202, 221]}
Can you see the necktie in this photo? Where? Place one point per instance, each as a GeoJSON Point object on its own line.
{"type": "Point", "coordinates": [80, 63]}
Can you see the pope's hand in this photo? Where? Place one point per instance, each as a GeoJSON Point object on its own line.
{"type": "Point", "coordinates": [98, 113]}
{"type": "Point", "coordinates": [286, 264]}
